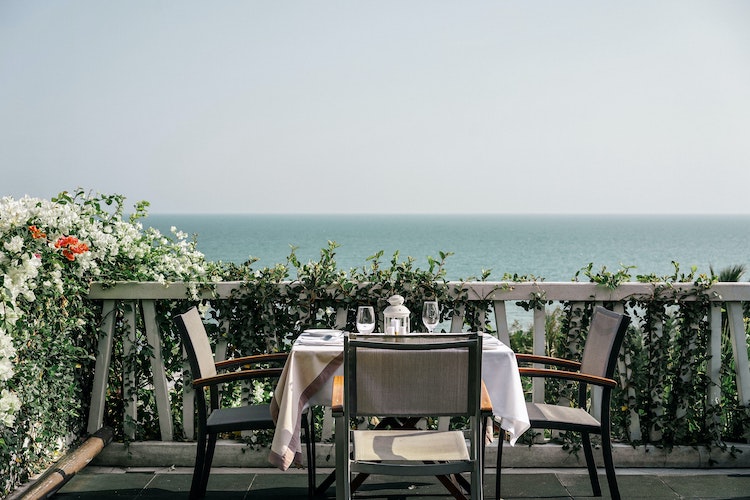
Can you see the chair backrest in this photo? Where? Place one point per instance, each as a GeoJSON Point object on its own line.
{"type": "Point", "coordinates": [603, 342]}
{"type": "Point", "coordinates": [195, 339]}
{"type": "Point", "coordinates": [411, 375]}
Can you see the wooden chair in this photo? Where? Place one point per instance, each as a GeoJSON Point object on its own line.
{"type": "Point", "coordinates": [212, 418]}
{"type": "Point", "coordinates": [605, 336]}
{"type": "Point", "coordinates": [402, 378]}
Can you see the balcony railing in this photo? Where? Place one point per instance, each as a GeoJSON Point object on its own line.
{"type": "Point", "coordinates": [725, 304]}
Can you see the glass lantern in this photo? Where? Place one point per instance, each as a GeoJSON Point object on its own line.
{"type": "Point", "coordinates": [396, 316]}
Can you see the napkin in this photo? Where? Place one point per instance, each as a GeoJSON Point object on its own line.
{"type": "Point", "coordinates": [332, 339]}
{"type": "Point", "coordinates": [489, 342]}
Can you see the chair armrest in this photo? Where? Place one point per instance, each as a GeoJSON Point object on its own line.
{"type": "Point", "coordinates": [580, 377]}
{"type": "Point", "coordinates": [486, 404]}
{"type": "Point", "coordinates": [238, 375]}
{"type": "Point", "coordinates": [249, 360]}
{"type": "Point", "coordinates": [548, 360]}
{"type": "Point", "coordinates": [337, 396]}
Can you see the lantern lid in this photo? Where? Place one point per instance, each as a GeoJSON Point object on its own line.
{"type": "Point", "coordinates": [396, 309]}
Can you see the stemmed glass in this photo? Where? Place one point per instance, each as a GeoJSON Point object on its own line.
{"type": "Point", "coordinates": [365, 319]}
{"type": "Point", "coordinates": [430, 315]}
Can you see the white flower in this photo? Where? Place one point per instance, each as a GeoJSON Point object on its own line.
{"type": "Point", "coordinates": [259, 393]}
{"type": "Point", "coordinates": [6, 369]}
{"type": "Point", "coordinates": [9, 406]}
{"type": "Point", "coordinates": [15, 244]}
{"type": "Point", "coordinates": [6, 346]}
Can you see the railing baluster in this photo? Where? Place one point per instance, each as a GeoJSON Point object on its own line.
{"type": "Point", "coordinates": [340, 318]}
{"type": "Point", "coordinates": [129, 387]}
{"type": "Point", "coordinates": [101, 368]}
{"type": "Point", "coordinates": [539, 348]}
{"type": "Point", "coordinates": [457, 321]}
{"type": "Point", "coordinates": [161, 392]}
{"type": "Point", "coordinates": [713, 397]}
{"type": "Point", "coordinates": [739, 348]}
{"type": "Point", "coordinates": [501, 321]}
{"type": "Point", "coordinates": [655, 433]}
{"type": "Point", "coordinates": [626, 374]}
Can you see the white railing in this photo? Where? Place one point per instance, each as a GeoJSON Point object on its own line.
{"type": "Point", "coordinates": [142, 297]}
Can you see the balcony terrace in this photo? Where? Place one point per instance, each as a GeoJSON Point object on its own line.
{"type": "Point", "coordinates": [644, 459]}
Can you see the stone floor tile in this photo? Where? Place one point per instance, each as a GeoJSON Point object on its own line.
{"type": "Point", "coordinates": [529, 486]}
{"type": "Point", "coordinates": [84, 486]}
{"type": "Point", "coordinates": [631, 487]}
{"type": "Point", "coordinates": [707, 486]}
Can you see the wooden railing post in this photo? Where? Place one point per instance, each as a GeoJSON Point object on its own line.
{"type": "Point", "coordinates": [161, 391]}
{"type": "Point", "coordinates": [713, 397]}
{"type": "Point", "coordinates": [501, 322]}
{"type": "Point", "coordinates": [129, 384]}
{"type": "Point", "coordinates": [539, 348]}
{"type": "Point", "coordinates": [101, 367]}
{"type": "Point", "coordinates": [739, 349]}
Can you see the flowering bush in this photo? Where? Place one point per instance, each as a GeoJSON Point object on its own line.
{"type": "Point", "coordinates": [50, 251]}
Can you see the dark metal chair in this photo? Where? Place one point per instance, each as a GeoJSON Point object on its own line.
{"type": "Point", "coordinates": [213, 419]}
{"type": "Point", "coordinates": [402, 378]}
{"type": "Point", "coordinates": [605, 336]}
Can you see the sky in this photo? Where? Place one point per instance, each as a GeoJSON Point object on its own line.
{"type": "Point", "coordinates": [378, 106]}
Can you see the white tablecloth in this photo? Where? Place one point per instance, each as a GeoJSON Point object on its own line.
{"type": "Point", "coordinates": [307, 380]}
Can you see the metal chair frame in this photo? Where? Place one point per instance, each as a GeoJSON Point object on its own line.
{"type": "Point", "coordinates": [605, 325]}
{"type": "Point", "coordinates": [213, 419]}
{"type": "Point", "coordinates": [345, 409]}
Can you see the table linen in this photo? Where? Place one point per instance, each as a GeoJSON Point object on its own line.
{"type": "Point", "coordinates": [307, 380]}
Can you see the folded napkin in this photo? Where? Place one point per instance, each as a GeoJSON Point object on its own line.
{"type": "Point", "coordinates": [490, 342]}
{"type": "Point", "coordinates": [331, 339]}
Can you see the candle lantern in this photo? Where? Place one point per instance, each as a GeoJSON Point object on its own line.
{"type": "Point", "coordinates": [396, 316]}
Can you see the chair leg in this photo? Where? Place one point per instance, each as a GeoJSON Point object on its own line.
{"type": "Point", "coordinates": [309, 426]}
{"type": "Point", "coordinates": [499, 465]}
{"type": "Point", "coordinates": [477, 488]}
{"type": "Point", "coordinates": [589, 454]}
{"type": "Point", "coordinates": [210, 447]}
{"type": "Point", "coordinates": [200, 459]}
{"type": "Point", "coordinates": [609, 466]}
{"type": "Point", "coordinates": [343, 487]}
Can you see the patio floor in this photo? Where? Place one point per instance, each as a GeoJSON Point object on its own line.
{"type": "Point", "coordinates": [266, 483]}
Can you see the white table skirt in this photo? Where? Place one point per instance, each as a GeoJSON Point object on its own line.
{"type": "Point", "coordinates": [307, 380]}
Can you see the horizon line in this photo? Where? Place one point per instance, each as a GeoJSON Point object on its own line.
{"type": "Point", "coordinates": [464, 214]}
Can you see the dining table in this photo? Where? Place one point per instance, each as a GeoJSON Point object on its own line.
{"type": "Point", "coordinates": [317, 355]}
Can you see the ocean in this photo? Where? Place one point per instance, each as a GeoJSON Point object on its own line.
{"type": "Point", "coordinates": [547, 246]}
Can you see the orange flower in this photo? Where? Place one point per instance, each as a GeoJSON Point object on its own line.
{"type": "Point", "coordinates": [71, 246]}
{"type": "Point", "coordinates": [36, 233]}
{"type": "Point", "coordinates": [79, 247]}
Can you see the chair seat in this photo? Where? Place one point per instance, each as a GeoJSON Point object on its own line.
{"type": "Point", "coordinates": [395, 445]}
{"type": "Point", "coordinates": [560, 417]}
{"type": "Point", "coordinates": [240, 418]}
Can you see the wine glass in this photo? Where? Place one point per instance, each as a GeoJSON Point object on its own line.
{"type": "Point", "coordinates": [365, 319]}
{"type": "Point", "coordinates": [430, 315]}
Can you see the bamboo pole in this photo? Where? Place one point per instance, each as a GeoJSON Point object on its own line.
{"type": "Point", "coordinates": [56, 476]}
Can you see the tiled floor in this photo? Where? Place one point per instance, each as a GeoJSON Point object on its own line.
{"type": "Point", "coordinates": [230, 484]}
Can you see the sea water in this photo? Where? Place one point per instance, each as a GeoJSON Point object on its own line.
{"type": "Point", "coordinates": [550, 247]}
